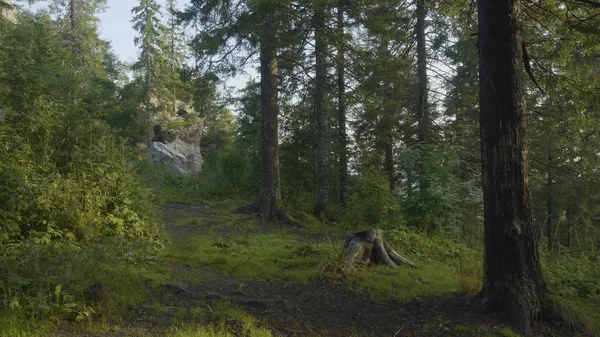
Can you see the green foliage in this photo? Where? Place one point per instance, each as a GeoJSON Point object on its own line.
{"type": "Point", "coordinates": [152, 66]}
{"type": "Point", "coordinates": [431, 248]}
{"type": "Point", "coordinates": [225, 175]}
{"type": "Point", "coordinates": [85, 188]}
{"type": "Point", "coordinates": [54, 214]}
{"type": "Point", "coordinates": [221, 331]}
{"type": "Point", "coordinates": [229, 321]}
{"type": "Point", "coordinates": [451, 204]}
{"type": "Point", "coordinates": [73, 210]}
{"type": "Point", "coordinates": [219, 128]}
{"type": "Point", "coordinates": [574, 277]}
{"type": "Point", "coordinates": [508, 332]}
{"type": "Point", "coordinates": [371, 203]}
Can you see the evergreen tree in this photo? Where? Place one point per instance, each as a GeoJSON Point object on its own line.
{"type": "Point", "coordinates": [175, 58]}
{"type": "Point", "coordinates": [321, 150]}
{"type": "Point", "coordinates": [341, 108]}
{"type": "Point", "coordinates": [151, 63]}
{"type": "Point", "coordinates": [252, 25]}
{"type": "Point", "coordinates": [513, 278]}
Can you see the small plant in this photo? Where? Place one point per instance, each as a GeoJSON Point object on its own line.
{"type": "Point", "coordinates": [470, 276]}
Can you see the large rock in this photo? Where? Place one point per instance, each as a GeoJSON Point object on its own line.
{"type": "Point", "coordinates": [7, 11]}
{"type": "Point", "coordinates": [177, 145]}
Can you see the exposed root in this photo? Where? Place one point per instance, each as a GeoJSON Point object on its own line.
{"type": "Point", "coordinates": [248, 209]}
{"type": "Point", "coordinates": [286, 219]}
{"type": "Point", "coordinates": [324, 214]}
{"type": "Point", "coordinates": [567, 317]}
{"type": "Point", "coordinates": [522, 316]}
{"type": "Point", "coordinates": [280, 214]}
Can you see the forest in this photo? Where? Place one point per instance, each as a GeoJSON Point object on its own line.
{"type": "Point", "coordinates": [389, 168]}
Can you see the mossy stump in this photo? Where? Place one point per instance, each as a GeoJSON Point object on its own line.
{"type": "Point", "coordinates": [369, 247]}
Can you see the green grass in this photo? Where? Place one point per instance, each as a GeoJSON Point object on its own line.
{"type": "Point", "coordinates": [406, 283]}
{"type": "Point", "coordinates": [508, 332]}
{"type": "Point", "coordinates": [240, 247]}
{"type": "Point", "coordinates": [281, 255]}
{"type": "Point", "coordinates": [221, 218]}
{"type": "Point", "coordinates": [261, 256]}
{"type": "Point", "coordinates": [118, 265]}
{"type": "Point", "coordinates": [226, 321]}
{"type": "Point", "coordinates": [18, 324]}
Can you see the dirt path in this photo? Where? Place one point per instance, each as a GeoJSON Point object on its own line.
{"type": "Point", "coordinates": [321, 308]}
{"type": "Point", "coordinates": [315, 308]}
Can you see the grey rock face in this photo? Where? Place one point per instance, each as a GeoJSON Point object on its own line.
{"type": "Point", "coordinates": [177, 145]}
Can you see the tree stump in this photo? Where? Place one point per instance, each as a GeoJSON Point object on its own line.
{"type": "Point", "coordinates": [369, 247]}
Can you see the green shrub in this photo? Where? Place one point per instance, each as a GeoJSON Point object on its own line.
{"type": "Point", "coordinates": [70, 210]}
{"type": "Point", "coordinates": [226, 174]}
{"type": "Point", "coordinates": [371, 203]}
{"type": "Point", "coordinates": [574, 277]}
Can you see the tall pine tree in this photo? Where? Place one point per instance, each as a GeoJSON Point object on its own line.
{"type": "Point", "coordinates": [151, 63]}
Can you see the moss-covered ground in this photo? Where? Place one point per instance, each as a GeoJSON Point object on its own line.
{"type": "Point", "coordinates": [222, 274]}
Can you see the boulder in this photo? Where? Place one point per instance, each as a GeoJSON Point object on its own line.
{"type": "Point", "coordinates": [8, 12]}
{"type": "Point", "coordinates": [176, 145]}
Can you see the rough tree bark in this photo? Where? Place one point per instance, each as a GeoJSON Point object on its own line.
{"type": "Point", "coordinates": [269, 204]}
{"type": "Point", "coordinates": [569, 214]}
{"type": "Point", "coordinates": [387, 121]}
{"type": "Point", "coordinates": [148, 83]}
{"type": "Point", "coordinates": [341, 83]}
{"type": "Point", "coordinates": [72, 16]}
{"type": "Point", "coordinates": [321, 113]}
{"type": "Point", "coordinates": [551, 215]}
{"type": "Point", "coordinates": [512, 279]}
{"type": "Point", "coordinates": [422, 104]}
{"type": "Point", "coordinates": [369, 247]}
{"type": "Point", "coordinates": [388, 165]}
{"type": "Point", "coordinates": [148, 91]}
{"type": "Point", "coordinates": [74, 34]}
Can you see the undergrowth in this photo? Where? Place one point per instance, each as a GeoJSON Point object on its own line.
{"type": "Point", "coordinates": [73, 212]}
{"type": "Point", "coordinates": [226, 321]}
{"type": "Point", "coordinates": [446, 265]}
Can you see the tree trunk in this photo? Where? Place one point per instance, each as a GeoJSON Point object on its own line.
{"type": "Point", "coordinates": [422, 105]}
{"type": "Point", "coordinates": [321, 114]}
{"type": "Point", "coordinates": [370, 247]}
{"type": "Point", "coordinates": [512, 279]}
{"type": "Point", "coordinates": [387, 121]}
{"type": "Point", "coordinates": [551, 217]}
{"type": "Point", "coordinates": [341, 83]}
{"type": "Point", "coordinates": [268, 206]}
{"type": "Point", "coordinates": [569, 212]}
{"type": "Point", "coordinates": [75, 46]}
{"type": "Point", "coordinates": [72, 16]}
{"type": "Point", "coordinates": [389, 160]}
{"type": "Point", "coordinates": [410, 174]}
{"type": "Point", "coordinates": [172, 51]}
{"type": "Point", "coordinates": [148, 101]}
{"type": "Point", "coordinates": [270, 189]}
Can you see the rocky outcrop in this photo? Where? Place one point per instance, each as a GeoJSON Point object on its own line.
{"type": "Point", "coordinates": [176, 145]}
{"type": "Point", "coordinates": [7, 11]}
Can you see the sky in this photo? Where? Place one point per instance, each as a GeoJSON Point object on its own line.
{"type": "Point", "coordinates": [116, 27]}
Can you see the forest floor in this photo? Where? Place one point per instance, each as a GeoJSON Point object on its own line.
{"type": "Point", "coordinates": [229, 276]}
